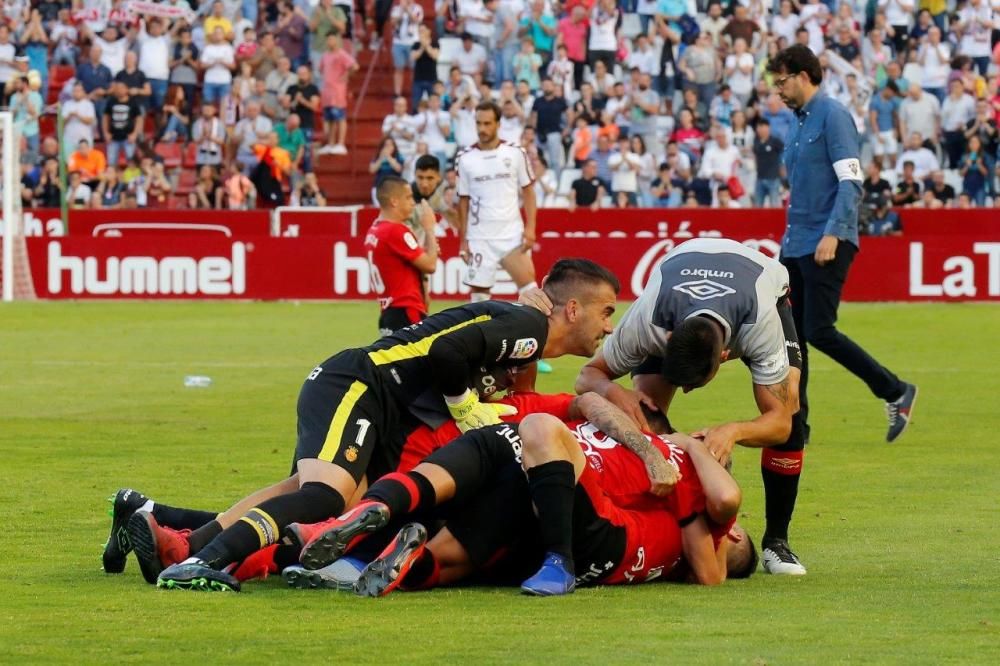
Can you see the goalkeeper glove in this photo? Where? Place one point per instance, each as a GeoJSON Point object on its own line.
{"type": "Point", "coordinates": [469, 413]}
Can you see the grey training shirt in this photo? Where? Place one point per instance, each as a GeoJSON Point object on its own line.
{"type": "Point", "coordinates": [737, 286]}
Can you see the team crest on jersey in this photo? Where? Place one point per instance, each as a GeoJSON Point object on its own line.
{"type": "Point", "coordinates": [524, 348]}
{"type": "Point", "coordinates": [507, 162]}
{"type": "Point", "coordinates": [704, 290]}
{"type": "Point", "coordinates": [351, 454]}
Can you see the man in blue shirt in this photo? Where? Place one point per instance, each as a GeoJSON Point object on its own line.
{"type": "Point", "coordinates": [780, 117]}
{"type": "Point", "coordinates": [96, 80]}
{"type": "Point", "coordinates": [821, 238]}
{"type": "Point", "coordinates": [882, 115]}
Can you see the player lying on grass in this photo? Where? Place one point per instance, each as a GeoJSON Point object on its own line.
{"type": "Point", "coordinates": [627, 529]}
{"type": "Point", "coordinates": [356, 408]}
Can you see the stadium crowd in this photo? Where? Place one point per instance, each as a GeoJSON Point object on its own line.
{"type": "Point", "coordinates": [652, 103]}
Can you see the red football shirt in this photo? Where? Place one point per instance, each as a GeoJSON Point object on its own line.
{"type": "Point", "coordinates": [622, 475]}
{"type": "Point", "coordinates": [391, 249]}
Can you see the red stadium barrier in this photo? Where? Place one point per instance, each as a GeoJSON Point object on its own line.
{"type": "Point", "coordinates": [944, 267]}
{"type": "Point", "coordinates": [161, 222]}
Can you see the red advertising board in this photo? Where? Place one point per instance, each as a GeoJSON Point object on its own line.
{"type": "Point", "coordinates": [46, 222]}
{"type": "Point", "coordinates": [934, 267]}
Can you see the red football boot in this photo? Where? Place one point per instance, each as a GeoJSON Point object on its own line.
{"type": "Point", "coordinates": [258, 565]}
{"type": "Point", "coordinates": [156, 547]}
{"type": "Point", "coordinates": [326, 542]}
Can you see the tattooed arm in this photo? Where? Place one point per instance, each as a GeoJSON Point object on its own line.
{"type": "Point", "coordinates": [776, 402]}
{"type": "Point", "coordinates": [614, 423]}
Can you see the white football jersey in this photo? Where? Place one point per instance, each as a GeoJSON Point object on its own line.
{"type": "Point", "coordinates": [492, 179]}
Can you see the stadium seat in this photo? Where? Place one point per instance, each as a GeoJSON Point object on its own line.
{"type": "Point", "coordinates": [185, 182]}
{"type": "Point", "coordinates": [566, 179]}
{"type": "Point", "coordinates": [190, 159]}
{"type": "Point", "coordinates": [171, 154]}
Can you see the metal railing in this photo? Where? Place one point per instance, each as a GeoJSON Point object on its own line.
{"type": "Point", "coordinates": [360, 100]}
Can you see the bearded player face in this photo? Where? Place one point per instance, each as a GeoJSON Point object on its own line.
{"type": "Point", "coordinates": [486, 126]}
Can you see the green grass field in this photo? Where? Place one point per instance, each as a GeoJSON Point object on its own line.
{"type": "Point", "coordinates": [901, 540]}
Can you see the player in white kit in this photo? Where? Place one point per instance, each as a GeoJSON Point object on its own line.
{"type": "Point", "coordinates": [492, 175]}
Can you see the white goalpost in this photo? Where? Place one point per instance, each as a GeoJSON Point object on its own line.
{"type": "Point", "coordinates": [15, 278]}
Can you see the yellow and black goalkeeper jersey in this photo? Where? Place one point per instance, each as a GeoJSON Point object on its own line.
{"type": "Point", "coordinates": [439, 355]}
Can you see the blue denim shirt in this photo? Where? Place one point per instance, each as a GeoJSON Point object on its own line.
{"type": "Point", "coordinates": [824, 172]}
{"type": "Point", "coordinates": [93, 77]}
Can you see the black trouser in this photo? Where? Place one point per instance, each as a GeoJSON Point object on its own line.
{"type": "Point", "coordinates": [954, 146]}
{"type": "Point", "coordinates": [815, 294]}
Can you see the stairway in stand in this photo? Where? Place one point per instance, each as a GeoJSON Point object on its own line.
{"type": "Point", "coordinates": [345, 178]}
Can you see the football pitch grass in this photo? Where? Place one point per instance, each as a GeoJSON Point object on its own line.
{"type": "Point", "coordinates": [901, 540]}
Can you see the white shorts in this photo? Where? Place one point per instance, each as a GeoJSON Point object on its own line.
{"type": "Point", "coordinates": [888, 145]}
{"type": "Point", "coordinates": [484, 260]}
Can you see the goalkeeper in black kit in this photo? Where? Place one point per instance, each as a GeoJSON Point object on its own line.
{"type": "Point", "coordinates": [356, 408]}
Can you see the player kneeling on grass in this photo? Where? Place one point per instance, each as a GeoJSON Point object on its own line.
{"type": "Point", "coordinates": [627, 515]}
{"type": "Point", "coordinates": [356, 408]}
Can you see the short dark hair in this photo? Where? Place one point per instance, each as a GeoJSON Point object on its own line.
{"type": "Point", "coordinates": [387, 188]}
{"type": "Point", "coordinates": [567, 276]}
{"type": "Point", "coordinates": [763, 121]}
{"type": "Point", "coordinates": [795, 59]}
{"type": "Point", "coordinates": [428, 163]}
{"type": "Point", "coordinates": [743, 567]}
{"type": "Point", "coordinates": [489, 105]}
{"type": "Point", "coordinates": [657, 420]}
{"type": "Point", "coordinates": [693, 352]}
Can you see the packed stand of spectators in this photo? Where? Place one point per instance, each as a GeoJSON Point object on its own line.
{"type": "Point", "coordinates": [237, 87]}
{"type": "Point", "coordinates": [665, 102]}
{"type": "Point", "coordinates": [655, 103]}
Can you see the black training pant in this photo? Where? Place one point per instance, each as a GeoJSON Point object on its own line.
{"type": "Point", "coordinates": [815, 295]}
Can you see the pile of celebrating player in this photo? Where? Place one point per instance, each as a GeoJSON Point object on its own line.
{"type": "Point", "coordinates": [427, 458]}
{"type": "Point", "coordinates": [410, 473]}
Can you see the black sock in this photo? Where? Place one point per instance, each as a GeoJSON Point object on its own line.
{"type": "Point", "coordinates": [424, 573]}
{"type": "Point", "coordinates": [262, 525]}
{"type": "Point", "coordinates": [780, 491]}
{"type": "Point", "coordinates": [286, 556]}
{"type": "Point", "coordinates": [203, 535]}
{"type": "Point", "coordinates": [552, 487]}
{"type": "Point", "coordinates": [403, 493]}
{"type": "Point", "coordinates": [181, 519]}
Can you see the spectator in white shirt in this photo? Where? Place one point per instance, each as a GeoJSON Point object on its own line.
{"type": "Point", "coordinates": [739, 71]}
{"type": "Point", "coordinates": [511, 122]}
{"type": "Point", "coordinates": [154, 58]}
{"type": "Point", "coordinates": [644, 57]}
{"type": "Point", "coordinates": [785, 23]}
{"type": "Point", "coordinates": [433, 126]}
{"type": "Point", "coordinates": [924, 161]}
{"type": "Point", "coordinates": [218, 62]}
{"type": "Point", "coordinates": [471, 59]}
{"type": "Point", "coordinates": [920, 114]}
{"type": "Point", "coordinates": [975, 21]}
{"type": "Point", "coordinates": [80, 120]}
{"type": "Point", "coordinates": [624, 166]}
{"type": "Point", "coordinates": [935, 58]}
{"type": "Point", "coordinates": [720, 160]}
{"type": "Point", "coordinates": [958, 109]}
{"type": "Point", "coordinates": [113, 47]}
{"type": "Point", "coordinates": [400, 126]}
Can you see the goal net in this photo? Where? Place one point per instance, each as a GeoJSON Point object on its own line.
{"type": "Point", "coordinates": [15, 278]}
